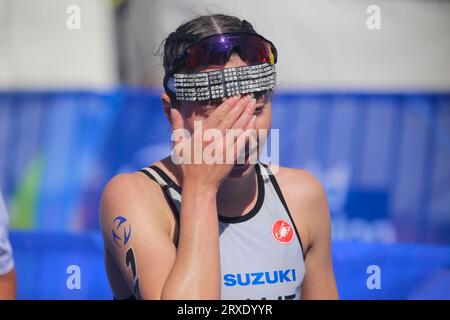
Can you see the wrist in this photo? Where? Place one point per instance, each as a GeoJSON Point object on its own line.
{"type": "Point", "coordinates": [200, 189]}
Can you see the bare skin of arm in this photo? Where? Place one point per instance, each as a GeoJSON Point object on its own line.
{"type": "Point", "coordinates": [192, 271]}
{"type": "Point", "coordinates": [8, 286]}
{"type": "Point", "coordinates": [308, 205]}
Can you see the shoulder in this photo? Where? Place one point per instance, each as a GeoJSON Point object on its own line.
{"type": "Point", "coordinates": [128, 188]}
{"type": "Point", "coordinates": [306, 200]}
{"type": "Point", "coordinates": [301, 184]}
{"type": "Point", "coordinates": [133, 195]}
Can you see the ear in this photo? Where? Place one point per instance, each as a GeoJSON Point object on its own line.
{"type": "Point", "coordinates": [173, 115]}
{"type": "Point", "coordinates": [165, 99]}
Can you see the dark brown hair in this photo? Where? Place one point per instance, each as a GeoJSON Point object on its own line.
{"type": "Point", "coordinates": [201, 27]}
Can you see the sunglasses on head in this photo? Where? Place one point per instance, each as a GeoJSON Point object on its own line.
{"type": "Point", "coordinates": [217, 49]}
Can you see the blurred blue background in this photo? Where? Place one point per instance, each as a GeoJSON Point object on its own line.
{"type": "Point", "coordinates": [372, 124]}
{"type": "Point", "coordinates": [382, 157]}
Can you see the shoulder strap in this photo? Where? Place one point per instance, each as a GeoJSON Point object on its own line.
{"type": "Point", "coordinates": [264, 171]}
{"type": "Point", "coordinates": [273, 180]}
{"type": "Point", "coordinates": [156, 174]}
{"type": "Point", "coordinates": [171, 190]}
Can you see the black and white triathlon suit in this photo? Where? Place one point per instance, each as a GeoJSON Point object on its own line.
{"type": "Point", "coordinates": [261, 252]}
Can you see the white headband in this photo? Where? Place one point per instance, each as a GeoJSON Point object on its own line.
{"type": "Point", "coordinates": [223, 83]}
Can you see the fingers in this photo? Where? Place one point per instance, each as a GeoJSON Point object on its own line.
{"type": "Point", "coordinates": [239, 120]}
{"type": "Point", "coordinates": [234, 113]}
{"type": "Point", "coordinates": [221, 112]}
{"type": "Point", "coordinates": [244, 119]}
{"type": "Point", "coordinates": [247, 139]}
{"type": "Point", "coordinates": [242, 136]}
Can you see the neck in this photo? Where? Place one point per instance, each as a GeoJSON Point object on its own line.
{"type": "Point", "coordinates": [237, 196]}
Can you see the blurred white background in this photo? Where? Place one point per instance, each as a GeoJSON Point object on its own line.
{"type": "Point", "coordinates": [322, 44]}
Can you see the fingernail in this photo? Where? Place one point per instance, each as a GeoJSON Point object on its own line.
{"type": "Point", "coordinates": [254, 118]}
{"type": "Point", "coordinates": [253, 101]}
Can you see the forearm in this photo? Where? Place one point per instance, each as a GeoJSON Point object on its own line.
{"type": "Point", "coordinates": [8, 286]}
{"type": "Point", "coordinates": [196, 272]}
